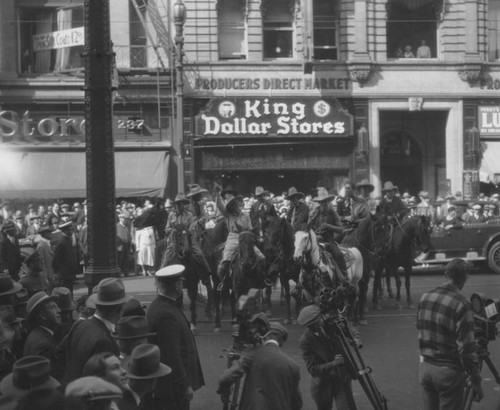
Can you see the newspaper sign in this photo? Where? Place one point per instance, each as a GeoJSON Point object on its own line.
{"type": "Point", "coordinates": [59, 39]}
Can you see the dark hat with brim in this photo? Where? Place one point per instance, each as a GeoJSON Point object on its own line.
{"type": "Point", "coordinates": [228, 190]}
{"type": "Point", "coordinates": [232, 201]}
{"type": "Point", "coordinates": [110, 291]}
{"type": "Point", "coordinates": [181, 199]}
{"type": "Point", "coordinates": [323, 195]}
{"type": "Point", "coordinates": [64, 299]}
{"type": "Point", "coordinates": [195, 189]}
{"type": "Point", "coordinates": [28, 374]}
{"type": "Point", "coordinates": [144, 363]}
{"type": "Point", "coordinates": [388, 186]}
{"type": "Point", "coordinates": [36, 301]}
{"type": "Point", "coordinates": [7, 285]}
{"type": "Point", "coordinates": [365, 184]}
{"type": "Point", "coordinates": [293, 193]}
{"type": "Point", "coordinates": [132, 327]}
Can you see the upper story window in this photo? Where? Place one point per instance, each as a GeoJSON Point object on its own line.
{"type": "Point", "coordinates": [493, 30]}
{"type": "Point", "coordinates": [137, 34]}
{"type": "Point", "coordinates": [278, 28]}
{"type": "Point", "coordinates": [51, 39]}
{"type": "Point", "coordinates": [412, 29]}
{"type": "Point", "coordinates": [232, 29]}
{"type": "Point", "coordinates": [325, 30]}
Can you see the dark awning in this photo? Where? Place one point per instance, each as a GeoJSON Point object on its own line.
{"type": "Point", "coordinates": [415, 4]}
{"type": "Point", "coordinates": [50, 175]}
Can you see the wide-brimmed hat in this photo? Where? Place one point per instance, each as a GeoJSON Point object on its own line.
{"type": "Point", "coordinates": [36, 301]}
{"type": "Point", "coordinates": [132, 327]}
{"type": "Point", "coordinates": [92, 388]}
{"type": "Point", "coordinates": [323, 195]}
{"type": "Point", "coordinates": [110, 291]}
{"type": "Point", "coordinates": [170, 272]}
{"type": "Point", "coordinates": [364, 183]}
{"type": "Point", "coordinates": [388, 186]}
{"type": "Point", "coordinates": [9, 226]}
{"type": "Point", "coordinates": [194, 190]}
{"type": "Point", "coordinates": [7, 285]}
{"type": "Point", "coordinates": [180, 198]}
{"type": "Point", "coordinates": [228, 190]}
{"type": "Point", "coordinates": [28, 374]}
{"type": "Point", "coordinates": [260, 191]}
{"type": "Point", "coordinates": [293, 193]}
{"type": "Point", "coordinates": [133, 308]}
{"type": "Point", "coordinates": [423, 194]}
{"type": "Point", "coordinates": [64, 299]}
{"type": "Point", "coordinates": [144, 363]}
{"type": "Point", "coordinates": [233, 200]}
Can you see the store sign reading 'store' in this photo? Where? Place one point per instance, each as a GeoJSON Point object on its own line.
{"type": "Point", "coordinates": [276, 117]}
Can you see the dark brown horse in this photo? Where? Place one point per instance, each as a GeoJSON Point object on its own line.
{"type": "Point", "coordinates": [413, 231]}
{"type": "Point", "coordinates": [278, 250]}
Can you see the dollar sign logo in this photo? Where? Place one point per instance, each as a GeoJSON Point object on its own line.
{"type": "Point", "coordinates": [321, 109]}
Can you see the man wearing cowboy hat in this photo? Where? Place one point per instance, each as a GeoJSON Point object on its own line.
{"type": "Point", "coordinates": [365, 188]}
{"type": "Point", "coordinates": [43, 312]}
{"type": "Point", "coordinates": [64, 260]}
{"type": "Point", "coordinates": [95, 335]}
{"type": "Point", "coordinates": [272, 377]}
{"type": "Point", "coordinates": [10, 251]}
{"type": "Point", "coordinates": [391, 206]}
{"type": "Point", "coordinates": [176, 341]}
{"type": "Point", "coordinates": [261, 213]}
{"type": "Point", "coordinates": [181, 216]}
{"type": "Point", "coordinates": [298, 212]}
{"type": "Point", "coordinates": [143, 369]}
{"type": "Point", "coordinates": [197, 208]}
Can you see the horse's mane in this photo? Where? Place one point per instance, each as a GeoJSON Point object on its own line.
{"type": "Point", "coordinates": [280, 233]}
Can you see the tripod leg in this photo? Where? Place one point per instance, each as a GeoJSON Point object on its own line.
{"type": "Point", "coordinates": [492, 368]}
{"type": "Point", "coordinates": [468, 395]}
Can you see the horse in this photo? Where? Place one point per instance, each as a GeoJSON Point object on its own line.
{"type": "Point", "coordinates": [179, 251]}
{"type": "Point", "coordinates": [361, 246]}
{"type": "Point", "coordinates": [320, 278]}
{"type": "Point", "coordinates": [278, 250]}
{"type": "Point", "coordinates": [413, 229]}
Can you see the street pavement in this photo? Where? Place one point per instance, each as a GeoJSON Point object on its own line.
{"type": "Point", "coordinates": [390, 345]}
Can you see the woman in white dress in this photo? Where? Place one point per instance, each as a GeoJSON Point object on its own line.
{"type": "Point", "coordinates": [145, 241]}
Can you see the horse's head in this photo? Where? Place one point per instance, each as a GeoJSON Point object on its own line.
{"type": "Point", "coordinates": [182, 240]}
{"type": "Point", "coordinates": [379, 234]}
{"type": "Point", "coordinates": [303, 245]}
{"type": "Point", "coordinates": [423, 233]}
{"type": "Point", "coordinates": [246, 243]}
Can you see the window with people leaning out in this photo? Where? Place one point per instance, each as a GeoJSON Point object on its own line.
{"type": "Point", "coordinates": [325, 29]}
{"type": "Point", "coordinates": [411, 33]}
{"type": "Point", "coordinates": [51, 39]}
{"type": "Point", "coordinates": [277, 29]}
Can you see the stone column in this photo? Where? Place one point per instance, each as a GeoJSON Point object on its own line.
{"type": "Point", "coordinates": [360, 66]}
{"type": "Point", "coordinates": [101, 217]}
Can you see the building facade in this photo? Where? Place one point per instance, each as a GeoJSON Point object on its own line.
{"type": "Point", "coordinates": [419, 79]}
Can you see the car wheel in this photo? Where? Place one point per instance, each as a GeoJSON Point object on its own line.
{"type": "Point", "coordinates": [494, 257]}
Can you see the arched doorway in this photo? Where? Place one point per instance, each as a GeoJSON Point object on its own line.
{"type": "Point", "coordinates": [401, 161]}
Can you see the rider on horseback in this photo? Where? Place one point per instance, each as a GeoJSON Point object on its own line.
{"type": "Point", "coordinates": [237, 222]}
{"type": "Point", "coordinates": [261, 212]}
{"type": "Point", "coordinates": [181, 216]}
{"type": "Point", "coordinates": [391, 206]}
{"type": "Point", "coordinates": [325, 222]}
{"type": "Point", "coordinates": [298, 213]}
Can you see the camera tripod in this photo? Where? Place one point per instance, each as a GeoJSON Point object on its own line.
{"type": "Point", "coordinates": [339, 333]}
{"type": "Point", "coordinates": [484, 357]}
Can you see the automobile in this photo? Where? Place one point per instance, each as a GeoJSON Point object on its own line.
{"type": "Point", "coordinates": [474, 242]}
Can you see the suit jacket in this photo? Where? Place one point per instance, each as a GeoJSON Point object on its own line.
{"type": "Point", "coordinates": [177, 347]}
{"type": "Point", "coordinates": [122, 235]}
{"type": "Point", "coordinates": [10, 256]}
{"type": "Point", "coordinates": [46, 255]}
{"type": "Point", "coordinates": [64, 259]}
{"type": "Point", "coordinates": [272, 380]}
{"type": "Point", "coordinates": [298, 214]}
{"type": "Point", "coordinates": [41, 343]}
{"type": "Point", "coordinates": [85, 339]}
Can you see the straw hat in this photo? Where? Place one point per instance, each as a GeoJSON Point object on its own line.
{"type": "Point", "coordinates": [36, 301]}
{"type": "Point", "coordinates": [92, 388]}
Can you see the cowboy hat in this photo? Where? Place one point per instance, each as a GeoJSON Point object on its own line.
{"type": "Point", "coordinates": [195, 189]}
{"type": "Point", "coordinates": [233, 201]}
{"type": "Point", "coordinates": [388, 187]}
{"type": "Point", "coordinates": [292, 192]}
{"type": "Point", "coordinates": [110, 291]}
{"type": "Point", "coordinates": [323, 195]}
{"type": "Point", "coordinates": [228, 190]}
{"type": "Point", "coordinates": [260, 191]}
{"type": "Point", "coordinates": [144, 363]}
{"type": "Point", "coordinates": [364, 183]}
{"type": "Point", "coordinates": [132, 327]}
{"type": "Point", "coordinates": [28, 373]}
{"type": "Point", "coordinates": [180, 198]}
{"type": "Point", "coordinates": [36, 301]}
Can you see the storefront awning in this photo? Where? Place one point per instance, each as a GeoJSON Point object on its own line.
{"type": "Point", "coordinates": [51, 175]}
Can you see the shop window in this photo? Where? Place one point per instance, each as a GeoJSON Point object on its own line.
{"type": "Point", "coordinates": [493, 30]}
{"type": "Point", "coordinates": [51, 39]}
{"type": "Point", "coordinates": [278, 28]}
{"type": "Point", "coordinates": [412, 29]}
{"type": "Point", "coordinates": [138, 38]}
{"type": "Point", "coordinates": [325, 31]}
{"type": "Point", "coordinates": [232, 29]}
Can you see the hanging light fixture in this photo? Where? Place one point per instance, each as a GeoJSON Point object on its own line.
{"type": "Point", "coordinates": [363, 141]}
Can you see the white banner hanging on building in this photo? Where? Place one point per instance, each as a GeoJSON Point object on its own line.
{"type": "Point", "coordinates": [59, 39]}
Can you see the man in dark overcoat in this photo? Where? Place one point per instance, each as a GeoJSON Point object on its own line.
{"type": "Point", "coordinates": [94, 335]}
{"type": "Point", "coordinates": [63, 261]}
{"type": "Point", "coordinates": [272, 377]}
{"type": "Point", "coordinates": [10, 251]}
{"type": "Point", "coordinates": [176, 342]}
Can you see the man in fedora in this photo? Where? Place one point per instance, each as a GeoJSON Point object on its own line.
{"type": "Point", "coordinates": [131, 331]}
{"type": "Point", "coordinates": [67, 305]}
{"type": "Point", "coordinates": [391, 206]}
{"type": "Point", "coordinates": [143, 370]}
{"type": "Point", "coordinates": [272, 377]}
{"type": "Point", "coordinates": [46, 255]}
{"type": "Point", "coordinates": [64, 260]}
{"type": "Point", "coordinates": [95, 335]}
{"type": "Point", "coordinates": [298, 211]}
{"type": "Point", "coordinates": [123, 241]}
{"type": "Point", "coordinates": [10, 251]}
{"type": "Point", "coordinates": [261, 213]}
{"type": "Point", "coordinates": [176, 342]}
{"type": "Point", "coordinates": [45, 315]}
